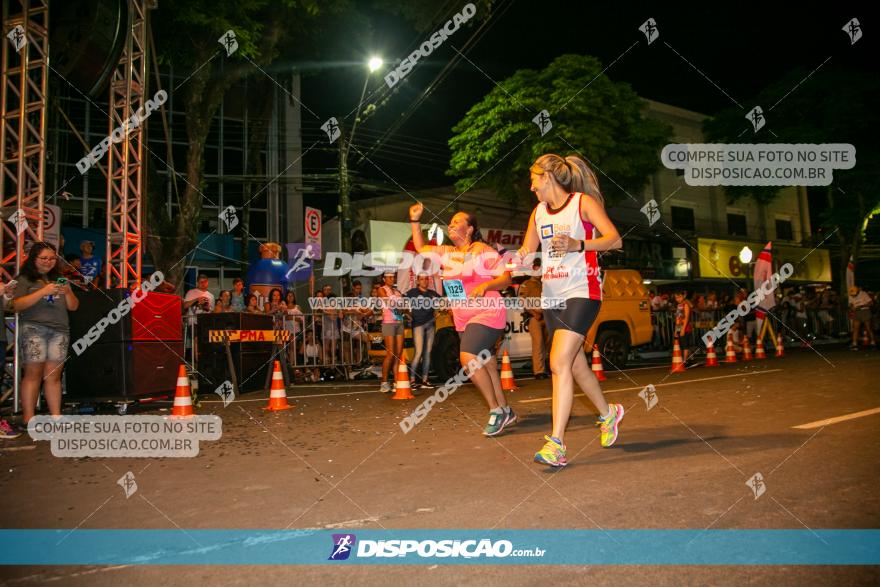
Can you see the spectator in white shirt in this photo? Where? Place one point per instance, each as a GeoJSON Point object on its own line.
{"type": "Point", "coordinates": [860, 303]}
{"type": "Point", "coordinates": [198, 300]}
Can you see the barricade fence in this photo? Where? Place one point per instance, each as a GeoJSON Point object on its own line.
{"type": "Point", "coordinates": [311, 341]}
{"type": "Point", "coordinates": [813, 324]}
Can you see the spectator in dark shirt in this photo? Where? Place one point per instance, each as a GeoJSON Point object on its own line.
{"type": "Point", "coordinates": [42, 300]}
{"type": "Point", "coordinates": [89, 265]}
{"type": "Point", "coordinates": [422, 329]}
{"type": "Point", "coordinates": [7, 430]}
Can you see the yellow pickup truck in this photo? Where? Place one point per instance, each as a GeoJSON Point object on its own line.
{"type": "Point", "coordinates": [624, 322]}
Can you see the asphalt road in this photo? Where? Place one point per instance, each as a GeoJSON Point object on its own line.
{"type": "Point", "coordinates": [340, 460]}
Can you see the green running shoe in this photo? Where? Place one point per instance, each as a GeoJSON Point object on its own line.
{"type": "Point", "coordinates": [497, 420]}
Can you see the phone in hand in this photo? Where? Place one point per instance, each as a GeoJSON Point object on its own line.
{"type": "Point", "coordinates": [62, 281]}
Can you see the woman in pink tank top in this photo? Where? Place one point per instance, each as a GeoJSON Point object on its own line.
{"type": "Point", "coordinates": [471, 270]}
{"type": "Point", "coordinates": [392, 331]}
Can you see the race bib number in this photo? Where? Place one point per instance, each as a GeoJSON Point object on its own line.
{"type": "Point", "coordinates": [454, 289]}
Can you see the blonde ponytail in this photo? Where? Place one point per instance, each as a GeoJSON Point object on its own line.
{"type": "Point", "coordinates": [572, 173]}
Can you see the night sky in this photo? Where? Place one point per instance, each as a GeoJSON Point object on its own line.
{"type": "Point", "coordinates": [739, 48]}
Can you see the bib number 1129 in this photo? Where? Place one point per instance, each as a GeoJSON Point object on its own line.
{"type": "Point", "coordinates": [454, 289]}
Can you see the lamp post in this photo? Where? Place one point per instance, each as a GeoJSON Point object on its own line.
{"type": "Point", "coordinates": [344, 146]}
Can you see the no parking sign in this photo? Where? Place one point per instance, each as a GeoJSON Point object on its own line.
{"type": "Point", "coordinates": [313, 231]}
{"type": "Point", "coordinates": [52, 224]}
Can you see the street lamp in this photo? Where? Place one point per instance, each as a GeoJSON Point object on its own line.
{"type": "Point", "coordinates": [745, 256]}
{"type": "Point", "coordinates": [374, 64]}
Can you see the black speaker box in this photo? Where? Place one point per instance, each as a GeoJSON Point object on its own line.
{"type": "Point", "coordinates": [117, 371]}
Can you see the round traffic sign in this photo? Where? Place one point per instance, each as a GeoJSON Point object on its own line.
{"type": "Point", "coordinates": [48, 218]}
{"type": "Point", "coordinates": [313, 222]}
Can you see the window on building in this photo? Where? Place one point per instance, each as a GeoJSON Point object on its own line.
{"type": "Point", "coordinates": [783, 230]}
{"type": "Point", "coordinates": [682, 218]}
{"type": "Point", "coordinates": [736, 224]}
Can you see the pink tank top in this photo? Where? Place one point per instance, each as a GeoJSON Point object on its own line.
{"type": "Point", "coordinates": [463, 266]}
{"type": "Point", "coordinates": [389, 316]}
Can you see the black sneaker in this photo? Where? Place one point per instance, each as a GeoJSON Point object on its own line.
{"type": "Point", "coordinates": [426, 384]}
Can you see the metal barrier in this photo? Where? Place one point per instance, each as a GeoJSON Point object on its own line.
{"type": "Point", "coordinates": [320, 340]}
{"type": "Point", "coordinates": [813, 324]}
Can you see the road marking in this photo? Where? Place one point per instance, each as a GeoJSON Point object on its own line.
{"type": "Point", "coordinates": [547, 399]}
{"type": "Point", "coordinates": [838, 419]}
{"type": "Point", "coordinates": [15, 448]}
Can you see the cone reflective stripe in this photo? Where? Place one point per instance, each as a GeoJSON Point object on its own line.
{"type": "Point", "coordinates": [759, 349]}
{"type": "Point", "coordinates": [597, 364]}
{"type": "Point", "coordinates": [729, 351]}
{"type": "Point", "coordinates": [747, 349]}
{"type": "Point", "coordinates": [183, 403]}
{"type": "Point", "coordinates": [507, 381]}
{"type": "Point", "coordinates": [711, 358]}
{"type": "Point", "coordinates": [277, 392]}
{"type": "Point", "coordinates": [402, 388]}
{"type": "Point", "coordinates": [865, 339]}
{"type": "Point", "coordinates": [677, 363]}
{"type": "Point", "coordinates": [780, 345]}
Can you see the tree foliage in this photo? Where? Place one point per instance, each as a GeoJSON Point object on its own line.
{"type": "Point", "coordinates": [496, 142]}
{"type": "Point", "coordinates": [271, 35]}
{"type": "Point", "coordinates": [186, 33]}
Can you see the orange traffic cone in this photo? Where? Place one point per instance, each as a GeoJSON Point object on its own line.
{"type": "Point", "coordinates": [865, 339]}
{"type": "Point", "coordinates": [402, 388]}
{"type": "Point", "coordinates": [747, 349]}
{"type": "Point", "coordinates": [597, 364]}
{"type": "Point", "coordinates": [780, 345]}
{"type": "Point", "coordinates": [183, 403]}
{"type": "Point", "coordinates": [729, 352]}
{"type": "Point", "coordinates": [677, 363]}
{"type": "Point", "coordinates": [711, 358]}
{"type": "Point", "coordinates": [759, 349]}
{"type": "Point", "coordinates": [277, 393]}
{"type": "Point", "coordinates": [507, 381]}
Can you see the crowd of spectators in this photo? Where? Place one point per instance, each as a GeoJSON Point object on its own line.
{"type": "Point", "coordinates": [320, 336]}
{"type": "Point", "coordinates": [806, 313]}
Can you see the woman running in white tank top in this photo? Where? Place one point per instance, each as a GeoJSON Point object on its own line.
{"type": "Point", "coordinates": [570, 211]}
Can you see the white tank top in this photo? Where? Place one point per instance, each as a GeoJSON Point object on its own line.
{"type": "Point", "coordinates": [567, 275]}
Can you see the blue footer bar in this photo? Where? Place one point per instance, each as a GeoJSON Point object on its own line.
{"type": "Point", "coordinates": [418, 547]}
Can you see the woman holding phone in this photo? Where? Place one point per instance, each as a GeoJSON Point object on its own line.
{"type": "Point", "coordinates": [42, 300]}
{"type": "Point", "coordinates": [565, 223]}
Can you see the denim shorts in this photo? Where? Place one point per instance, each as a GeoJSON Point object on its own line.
{"type": "Point", "coordinates": [392, 329]}
{"type": "Point", "coordinates": [41, 344]}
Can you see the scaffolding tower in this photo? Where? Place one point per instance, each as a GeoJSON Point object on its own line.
{"type": "Point", "coordinates": [25, 73]}
{"type": "Point", "coordinates": [126, 172]}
